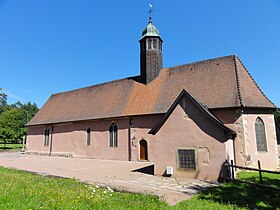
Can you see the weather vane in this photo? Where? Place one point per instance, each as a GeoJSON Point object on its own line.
{"type": "Point", "coordinates": [150, 11]}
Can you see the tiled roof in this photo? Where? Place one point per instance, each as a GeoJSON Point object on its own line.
{"type": "Point", "coordinates": [217, 83]}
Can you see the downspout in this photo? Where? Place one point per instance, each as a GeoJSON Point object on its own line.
{"type": "Point", "coordinates": [234, 151]}
{"type": "Point", "coordinates": [129, 139]}
{"type": "Point", "coordinates": [51, 141]}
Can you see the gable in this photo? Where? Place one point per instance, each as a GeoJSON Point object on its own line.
{"type": "Point", "coordinates": [193, 110]}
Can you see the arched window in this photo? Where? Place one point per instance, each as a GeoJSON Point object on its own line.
{"type": "Point", "coordinates": [143, 149]}
{"type": "Point", "coordinates": [113, 135]}
{"type": "Point", "coordinates": [47, 137]}
{"type": "Point", "coordinates": [260, 135]}
{"type": "Point", "coordinates": [88, 136]}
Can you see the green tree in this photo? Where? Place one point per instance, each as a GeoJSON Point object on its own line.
{"type": "Point", "coordinates": [31, 109]}
{"type": "Point", "coordinates": [3, 101]}
{"type": "Point", "coordinates": [12, 125]}
{"type": "Point", "coordinates": [13, 119]}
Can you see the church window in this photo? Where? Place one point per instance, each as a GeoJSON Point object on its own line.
{"type": "Point", "coordinates": [260, 135]}
{"type": "Point", "coordinates": [88, 136]}
{"type": "Point", "coordinates": [113, 135]}
{"type": "Point", "coordinates": [47, 137]}
{"type": "Point", "coordinates": [186, 159]}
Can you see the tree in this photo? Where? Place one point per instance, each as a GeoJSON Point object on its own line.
{"type": "Point", "coordinates": [3, 101]}
{"type": "Point", "coordinates": [12, 125]}
{"type": "Point", "coordinates": [13, 119]}
{"type": "Point", "coordinates": [31, 109]}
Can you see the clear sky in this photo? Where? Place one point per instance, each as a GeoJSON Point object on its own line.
{"type": "Point", "coordinates": [51, 46]}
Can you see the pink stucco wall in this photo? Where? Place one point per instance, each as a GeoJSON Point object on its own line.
{"type": "Point", "coordinates": [186, 128]}
{"type": "Point", "coordinates": [191, 130]}
{"type": "Point", "coordinates": [35, 140]}
{"type": "Point", "coordinates": [269, 159]}
{"type": "Point", "coordinates": [71, 139]}
{"type": "Point", "coordinates": [245, 143]}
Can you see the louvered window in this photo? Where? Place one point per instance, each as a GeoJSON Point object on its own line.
{"type": "Point", "coordinates": [154, 44]}
{"type": "Point", "coordinates": [260, 135]}
{"type": "Point", "coordinates": [149, 44]}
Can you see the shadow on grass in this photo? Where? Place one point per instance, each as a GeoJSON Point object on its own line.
{"type": "Point", "coordinates": [266, 181]}
{"type": "Point", "coordinates": [243, 195]}
{"type": "Point", "coordinates": [6, 148]}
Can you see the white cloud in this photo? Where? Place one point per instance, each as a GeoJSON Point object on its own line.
{"type": "Point", "coordinates": [12, 96]}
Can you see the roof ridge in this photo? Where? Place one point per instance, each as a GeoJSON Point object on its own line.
{"type": "Point", "coordinates": [201, 61]}
{"type": "Point", "coordinates": [254, 81]}
{"type": "Point", "coordinates": [237, 81]}
{"type": "Point", "coordinates": [95, 85]}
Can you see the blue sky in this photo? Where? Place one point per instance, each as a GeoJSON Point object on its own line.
{"type": "Point", "coordinates": [51, 46]}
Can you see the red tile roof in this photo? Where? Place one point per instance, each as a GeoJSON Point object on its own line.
{"type": "Point", "coordinates": [217, 83]}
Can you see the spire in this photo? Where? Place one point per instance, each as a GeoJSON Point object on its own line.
{"type": "Point", "coordinates": [150, 12]}
{"type": "Point", "coordinates": [150, 52]}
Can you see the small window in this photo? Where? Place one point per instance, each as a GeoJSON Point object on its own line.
{"type": "Point", "coordinates": [155, 44]}
{"type": "Point", "coordinates": [260, 135]}
{"type": "Point", "coordinates": [186, 159]}
{"type": "Point", "coordinates": [113, 135]}
{"type": "Point", "coordinates": [149, 44]}
{"type": "Point", "coordinates": [88, 136]}
{"type": "Point", "coordinates": [47, 137]}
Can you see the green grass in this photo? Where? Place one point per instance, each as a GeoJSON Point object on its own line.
{"type": "Point", "coordinates": [236, 195]}
{"type": "Point", "coordinates": [22, 190]}
{"type": "Point", "coordinates": [10, 147]}
{"type": "Point", "coordinates": [268, 178]}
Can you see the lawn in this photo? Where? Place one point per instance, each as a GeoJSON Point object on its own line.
{"type": "Point", "coordinates": [10, 147]}
{"type": "Point", "coordinates": [240, 195]}
{"type": "Point", "coordinates": [268, 178]}
{"type": "Point", "coordinates": [22, 190]}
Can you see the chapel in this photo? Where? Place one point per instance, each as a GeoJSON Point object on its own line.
{"type": "Point", "coordinates": [185, 120]}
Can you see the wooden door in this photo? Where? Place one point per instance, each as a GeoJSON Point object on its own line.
{"type": "Point", "coordinates": [143, 150]}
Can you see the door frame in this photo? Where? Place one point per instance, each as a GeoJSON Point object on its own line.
{"type": "Point", "coordinates": [146, 149]}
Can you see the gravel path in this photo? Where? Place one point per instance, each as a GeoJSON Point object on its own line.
{"type": "Point", "coordinates": [116, 174]}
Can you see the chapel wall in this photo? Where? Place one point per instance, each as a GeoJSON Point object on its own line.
{"type": "Point", "coordinates": [191, 130]}
{"type": "Point", "coordinates": [243, 123]}
{"type": "Point", "coordinates": [70, 139]}
{"type": "Point", "coordinates": [268, 159]}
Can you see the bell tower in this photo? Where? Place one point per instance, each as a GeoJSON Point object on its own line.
{"type": "Point", "coordinates": [150, 53]}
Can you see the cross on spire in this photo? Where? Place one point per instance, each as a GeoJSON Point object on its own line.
{"type": "Point", "coordinates": [150, 12]}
